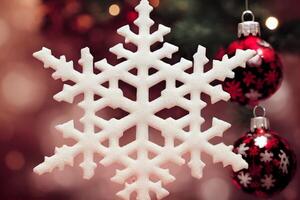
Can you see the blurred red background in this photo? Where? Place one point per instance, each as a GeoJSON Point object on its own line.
{"type": "Point", "coordinates": [28, 112]}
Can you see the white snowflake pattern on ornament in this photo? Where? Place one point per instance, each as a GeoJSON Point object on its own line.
{"type": "Point", "coordinates": [242, 149]}
{"type": "Point", "coordinates": [245, 178]}
{"type": "Point", "coordinates": [268, 181]}
{"type": "Point", "coordinates": [253, 95]}
{"type": "Point", "coordinates": [142, 111]}
{"type": "Point", "coordinates": [266, 156]}
{"type": "Point", "coordinates": [284, 162]}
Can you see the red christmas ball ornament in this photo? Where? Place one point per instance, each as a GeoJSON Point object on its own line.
{"type": "Point", "coordinates": [272, 163]}
{"type": "Point", "coordinates": [262, 76]}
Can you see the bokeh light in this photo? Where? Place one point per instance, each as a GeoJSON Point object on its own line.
{"type": "Point", "coordinates": [72, 7]}
{"type": "Point", "coordinates": [29, 114]}
{"type": "Point", "coordinates": [155, 3]}
{"type": "Point", "coordinates": [84, 22]}
{"type": "Point", "coordinates": [22, 89]}
{"type": "Point", "coordinates": [272, 23]}
{"type": "Point", "coordinates": [24, 20]}
{"type": "Point", "coordinates": [215, 188]}
{"type": "Point", "coordinates": [114, 10]}
{"type": "Point", "coordinates": [14, 160]}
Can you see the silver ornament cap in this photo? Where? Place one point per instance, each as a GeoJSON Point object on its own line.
{"type": "Point", "coordinates": [246, 28]}
{"type": "Point", "coordinates": [259, 121]}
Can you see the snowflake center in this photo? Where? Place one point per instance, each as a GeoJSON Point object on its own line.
{"type": "Point", "coordinates": [89, 82]}
{"type": "Point", "coordinates": [142, 112]}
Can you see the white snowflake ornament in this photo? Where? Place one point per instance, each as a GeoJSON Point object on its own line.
{"type": "Point", "coordinates": [142, 111]}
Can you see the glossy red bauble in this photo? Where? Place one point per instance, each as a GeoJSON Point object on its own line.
{"type": "Point", "coordinates": [271, 163]}
{"type": "Point", "coordinates": [262, 76]}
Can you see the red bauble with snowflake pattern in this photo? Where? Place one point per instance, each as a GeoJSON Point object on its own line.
{"type": "Point", "coordinates": [272, 163]}
{"type": "Point", "coordinates": [262, 76]}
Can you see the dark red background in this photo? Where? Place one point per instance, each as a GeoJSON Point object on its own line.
{"type": "Point", "coordinates": [28, 114]}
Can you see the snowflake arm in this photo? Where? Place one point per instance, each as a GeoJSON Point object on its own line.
{"type": "Point", "coordinates": [221, 152]}
{"type": "Point", "coordinates": [224, 69]}
{"type": "Point", "coordinates": [158, 36]}
{"type": "Point", "coordinates": [63, 69]}
{"type": "Point", "coordinates": [199, 141]}
{"type": "Point", "coordinates": [63, 156]}
{"type": "Point", "coordinates": [87, 142]}
{"type": "Point", "coordinates": [129, 36]}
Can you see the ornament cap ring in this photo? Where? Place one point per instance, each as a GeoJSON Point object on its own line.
{"type": "Point", "coordinates": [251, 27]}
{"type": "Point", "coordinates": [248, 12]}
{"type": "Point", "coordinates": [256, 111]}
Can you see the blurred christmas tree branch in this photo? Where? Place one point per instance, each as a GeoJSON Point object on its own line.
{"type": "Point", "coordinates": [212, 23]}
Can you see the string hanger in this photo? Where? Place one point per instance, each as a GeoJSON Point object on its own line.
{"type": "Point", "coordinates": [247, 12]}
{"type": "Point", "coordinates": [246, 4]}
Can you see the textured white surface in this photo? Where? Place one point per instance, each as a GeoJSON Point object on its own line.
{"type": "Point", "coordinates": [142, 111]}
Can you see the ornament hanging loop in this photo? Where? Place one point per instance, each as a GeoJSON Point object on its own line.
{"type": "Point", "coordinates": [246, 28]}
{"type": "Point", "coordinates": [259, 121]}
{"type": "Point", "coordinates": [248, 12]}
{"type": "Point", "coordinates": [256, 111]}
